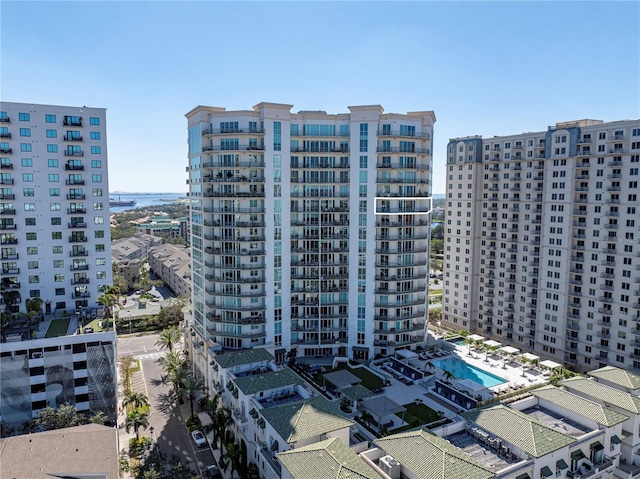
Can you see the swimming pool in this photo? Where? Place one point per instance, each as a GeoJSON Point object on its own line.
{"type": "Point", "coordinates": [463, 370]}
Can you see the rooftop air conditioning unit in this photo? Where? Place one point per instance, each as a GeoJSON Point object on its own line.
{"type": "Point", "coordinates": [390, 467]}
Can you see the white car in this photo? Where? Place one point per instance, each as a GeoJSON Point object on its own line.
{"type": "Point", "coordinates": [199, 438]}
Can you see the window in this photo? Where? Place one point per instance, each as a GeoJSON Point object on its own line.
{"type": "Point", "coordinates": [98, 220]}
{"type": "Point", "coordinates": [101, 261]}
{"type": "Point", "coordinates": [96, 163]}
{"type": "Point", "coordinates": [98, 234]}
{"type": "Point", "coordinates": [25, 146]}
{"type": "Point", "coordinates": [50, 118]}
{"type": "Point", "coordinates": [57, 249]}
{"type": "Point", "coordinates": [27, 177]}
{"type": "Point", "coordinates": [98, 206]}
{"type": "Point", "coordinates": [26, 162]}
{"type": "Point", "coordinates": [54, 177]}
{"type": "Point", "coordinates": [31, 250]}
{"type": "Point", "coordinates": [97, 192]}
{"type": "Point", "coordinates": [94, 135]}
{"type": "Point", "coordinates": [94, 120]}
{"type": "Point", "coordinates": [99, 248]}
{"type": "Point", "coordinates": [96, 178]}
{"type": "Point", "coordinates": [54, 191]}
{"type": "Point", "coordinates": [29, 206]}
{"type": "Point", "coordinates": [30, 221]}
{"type": "Point", "coordinates": [52, 133]}
{"type": "Point", "coordinates": [28, 191]}
{"type": "Point", "coordinates": [58, 263]}
{"type": "Point", "coordinates": [58, 278]}
{"type": "Point", "coordinates": [95, 150]}
{"type": "Point", "coordinates": [56, 235]}
{"type": "Point", "coordinates": [56, 221]}
{"type": "Point", "coordinates": [25, 131]}
{"type": "Point", "coordinates": [52, 148]}
{"type": "Point", "coordinates": [52, 163]}
{"type": "Point", "coordinates": [24, 117]}
{"type": "Point", "coordinates": [32, 265]}
{"type": "Point", "coordinates": [34, 279]}
{"type": "Point", "coordinates": [54, 206]}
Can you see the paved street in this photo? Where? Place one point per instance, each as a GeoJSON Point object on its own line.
{"type": "Point", "coordinates": [169, 429]}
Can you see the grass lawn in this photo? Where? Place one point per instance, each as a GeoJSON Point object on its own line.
{"type": "Point", "coordinates": [95, 324]}
{"type": "Point", "coordinates": [369, 380]}
{"type": "Point", "coordinates": [424, 414]}
{"type": "Point", "coordinates": [58, 327]}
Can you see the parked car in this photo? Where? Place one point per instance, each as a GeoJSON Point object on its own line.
{"type": "Point", "coordinates": [213, 472]}
{"type": "Point", "coordinates": [199, 438]}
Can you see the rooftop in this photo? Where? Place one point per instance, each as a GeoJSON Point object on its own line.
{"type": "Point", "coordinates": [605, 394]}
{"type": "Point", "coordinates": [246, 356]}
{"type": "Point", "coordinates": [329, 459]}
{"type": "Point", "coordinates": [515, 427]}
{"type": "Point", "coordinates": [584, 407]}
{"type": "Point", "coordinates": [270, 380]}
{"type": "Point", "coordinates": [428, 456]}
{"type": "Point", "coordinates": [620, 377]}
{"type": "Point", "coordinates": [83, 451]}
{"type": "Point", "coordinates": [305, 419]}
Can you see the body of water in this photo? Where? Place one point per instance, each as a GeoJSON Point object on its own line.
{"type": "Point", "coordinates": [145, 199]}
{"type": "Point", "coordinates": [463, 370]}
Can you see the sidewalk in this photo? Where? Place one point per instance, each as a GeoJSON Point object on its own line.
{"type": "Point", "coordinates": [137, 385]}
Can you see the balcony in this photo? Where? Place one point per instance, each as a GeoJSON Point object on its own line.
{"type": "Point", "coordinates": [81, 280]}
{"type": "Point", "coordinates": [8, 211]}
{"type": "Point", "coordinates": [405, 134]}
{"type": "Point", "coordinates": [7, 196]}
{"type": "Point", "coordinates": [72, 138]}
{"type": "Point", "coordinates": [77, 239]}
{"type": "Point", "coordinates": [6, 181]}
{"type": "Point", "coordinates": [218, 148]}
{"type": "Point", "coordinates": [8, 226]}
{"type": "Point", "coordinates": [74, 167]}
{"type": "Point", "coordinates": [73, 153]}
{"type": "Point", "coordinates": [395, 149]}
{"type": "Point", "coordinates": [6, 150]}
{"type": "Point", "coordinates": [76, 197]}
{"type": "Point", "coordinates": [335, 149]}
{"type": "Point", "coordinates": [11, 271]}
{"type": "Point", "coordinates": [74, 182]}
{"type": "Point", "coordinates": [72, 121]}
{"type": "Point", "coordinates": [78, 253]}
{"type": "Point", "coordinates": [77, 225]}
{"type": "Point", "coordinates": [80, 295]}
{"type": "Point", "coordinates": [79, 267]}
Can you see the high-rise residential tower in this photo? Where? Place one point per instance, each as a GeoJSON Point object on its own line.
{"type": "Point", "coordinates": [542, 246]}
{"type": "Point", "coordinates": [310, 231]}
{"type": "Point", "coordinates": [54, 205]}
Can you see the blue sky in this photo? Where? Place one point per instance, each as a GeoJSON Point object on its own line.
{"type": "Point", "coordinates": [489, 68]}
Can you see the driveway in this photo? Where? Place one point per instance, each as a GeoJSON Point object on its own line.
{"type": "Point", "coordinates": [169, 427]}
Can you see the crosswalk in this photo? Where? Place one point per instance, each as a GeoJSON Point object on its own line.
{"type": "Point", "coordinates": [153, 355]}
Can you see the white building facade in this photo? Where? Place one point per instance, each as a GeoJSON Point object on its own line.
{"type": "Point", "coordinates": [54, 205]}
{"type": "Point", "coordinates": [542, 246]}
{"type": "Point", "coordinates": [310, 230]}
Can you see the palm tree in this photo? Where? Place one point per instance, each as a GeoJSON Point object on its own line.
{"type": "Point", "coordinates": [168, 338]}
{"type": "Point", "coordinates": [192, 385]}
{"type": "Point", "coordinates": [448, 376]}
{"type": "Point", "coordinates": [291, 356]}
{"type": "Point", "coordinates": [221, 421]}
{"type": "Point", "coordinates": [366, 417]}
{"type": "Point", "coordinates": [135, 421]}
{"type": "Point", "coordinates": [173, 361]}
{"type": "Point", "coordinates": [524, 360]}
{"type": "Point", "coordinates": [429, 365]}
{"type": "Point", "coordinates": [136, 399]}
{"type": "Point", "coordinates": [108, 301]}
{"type": "Point", "coordinates": [232, 457]}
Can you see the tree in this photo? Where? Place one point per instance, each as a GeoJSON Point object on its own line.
{"type": "Point", "coordinates": [221, 421]}
{"type": "Point", "coordinates": [136, 420]}
{"type": "Point", "coordinates": [168, 338]}
{"type": "Point", "coordinates": [429, 365]}
{"type": "Point", "coordinates": [252, 471]}
{"type": "Point", "coordinates": [34, 305]}
{"type": "Point", "coordinates": [137, 400]}
{"type": "Point", "coordinates": [98, 418]}
{"type": "Point", "coordinates": [191, 386]}
{"type": "Point", "coordinates": [65, 415]}
{"type": "Point", "coordinates": [125, 363]}
{"type": "Point", "coordinates": [108, 301]}
{"type": "Point", "coordinates": [366, 417]}
{"type": "Point", "coordinates": [232, 457]}
{"type": "Point", "coordinates": [448, 376]}
{"type": "Point", "coordinates": [291, 356]}
{"type": "Point", "coordinates": [438, 232]}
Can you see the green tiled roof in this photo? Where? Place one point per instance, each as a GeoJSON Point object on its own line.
{"type": "Point", "coordinates": [579, 405]}
{"type": "Point", "coordinates": [329, 459]}
{"type": "Point", "coordinates": [618, 376]}
{"type": "Point", "coordinates": [266, 381]}
{"type": "Point", "coordinates": [246, 356]}
{"type": "Point", "coordinates": [304, 419]}
{"type": "Point", "coordinates": [357, 392]}
{"type": "Point", "coordinates": [524, 432]}
{"type": "Point", "coordinates": [428, 456]}
{"type": "Point", "coordinates": [603, 393]}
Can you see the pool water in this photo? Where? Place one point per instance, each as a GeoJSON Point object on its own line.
{"type": "Point", "coordinates": [462, 370]}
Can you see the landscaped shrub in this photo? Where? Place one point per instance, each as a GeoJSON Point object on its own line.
{"type": "Point", "coordinates": [193, 423]}
{"type": "Point", "coordinates": [139, 448]}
